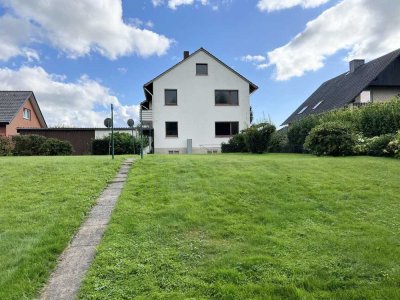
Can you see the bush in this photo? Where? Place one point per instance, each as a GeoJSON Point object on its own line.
{"type": "Point", "coordinates": [28, 144]}
{"type": "Point", "coordinates": [123, 144]}
{"type": "Point", "coordinates": [279, 142]}
{"type": "Point", "coordinates": [380, 118]}
{"type": "Point", "coordinates": [393, 148]}
{"type": "Point", "coordinates": [53, 147]}
{"type": "Point", "coordinates": [377, 146]}
{"type": "Point", "coordinates": [351, 117]}
{"type": "Point", "coordinates": [331, 138]}
{"type": "Point", "coordinates": [299, 130]}
{"type": "Point", "coordinates": [235, 144]}
{"type": "Point", "coordinates": [257, 137]}
{"type": "Point", "coordinates": [6, 146]}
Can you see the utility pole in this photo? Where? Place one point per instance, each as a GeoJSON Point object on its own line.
{"type": "Point", "coordinates": [112, 130]}
{"type": "Point", "coordinates": [141, 132]}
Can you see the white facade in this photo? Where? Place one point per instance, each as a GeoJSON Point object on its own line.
{"type": "Point", "coordinates": [378, 94]}
{"type": "Point", "coordinates": [196, 111]}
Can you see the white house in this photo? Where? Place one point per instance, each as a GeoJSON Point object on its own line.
{"type": "Point", "coordinates": [196, 105]}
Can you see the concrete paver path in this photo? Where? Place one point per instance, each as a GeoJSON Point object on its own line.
{"type": "Point", "coordinates": [73, 263]}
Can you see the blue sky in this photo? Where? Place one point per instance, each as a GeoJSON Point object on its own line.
{"type": "Point", "coordinates": [79, 57]}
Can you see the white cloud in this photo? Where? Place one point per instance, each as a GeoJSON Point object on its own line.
{"type": "Point", "coordinates": [363, 28]}
{"type": "Point", "coordinates": [13, 34]}
{"type": "Point", "coordinates": [174, 4]}
{"type": "Point", "coordinates": [253, 58]}
{"type": "Point", "coordinates": [82, 103]}
{"type": "Point", "coordinates": [80, 27]}
{"type": "Point", "coordinates": [273, 5]}
{"type": "Point", "coordinates": [262, 66]}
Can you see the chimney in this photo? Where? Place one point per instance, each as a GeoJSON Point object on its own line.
{"type": "Point", "coordinates": [355, 64]}
{"type": "Point", "coordinates": [185, 54]}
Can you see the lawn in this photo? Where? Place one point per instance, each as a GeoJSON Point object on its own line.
{"type": "Point", "coordinates": [253, 227]}
{"type": "Point", "coordinates": [42, 202]}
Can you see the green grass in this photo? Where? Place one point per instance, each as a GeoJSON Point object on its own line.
{"type": "Point", "coordinates": [253, 227]}
{"type": "Point", "coordinates": [43, 200]}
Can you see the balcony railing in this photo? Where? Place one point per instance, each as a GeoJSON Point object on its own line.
{"type": "Point", "coordinates": [359, 104]}
{"type": "Point", "coordinates": [147, 115]}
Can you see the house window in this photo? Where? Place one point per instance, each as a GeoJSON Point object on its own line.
{"type": "Point", "coordinates": [223, 129]}
{"type": "Point", "coordinates": [171, 129]}
{"type": "Point", "coordinates": [27, 114]}
{"type": "Point", "coordinates": [171, 97]}
{"type": "Point", "coordinates": [302, 110]}
{"type": "Point", "coordinates": [201, 69]}
{"type": "Point", "coordinates": [226, 97]}
{"type": "Point", "coordinates": [318, 104]}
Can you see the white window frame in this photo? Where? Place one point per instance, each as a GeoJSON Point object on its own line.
{"type": "Point", "coordinates": [27, 114]}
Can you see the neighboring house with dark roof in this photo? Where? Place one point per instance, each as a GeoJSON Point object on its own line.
{"type": "Point", "coordinates": [19, 109]}
{"type": "Point", "coordinates": [196, 105]}
{"type": "Point", "coordinates": [375, 81]}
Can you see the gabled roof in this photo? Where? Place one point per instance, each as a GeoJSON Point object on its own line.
{"type": "Point", "coordinates": [253, 87]}
{"type": "Point", "coordinates": [343, 89]}
{"type": "Point", "coordinates": [12, 101]}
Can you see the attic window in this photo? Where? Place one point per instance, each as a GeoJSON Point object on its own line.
{"type": "Point", "coordinates": [318, 104]}
{"type": "Point", "coordinates": [27, 114]}
{"type": "Point", "coordinates": [302, 110]}
{"type": "Point", "coordinates": [201, 69]}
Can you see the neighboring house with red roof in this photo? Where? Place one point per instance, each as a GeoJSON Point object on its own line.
{"type": "Point", "coordinates": [19, 109]}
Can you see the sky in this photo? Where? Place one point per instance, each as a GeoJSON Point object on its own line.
{"type": "Point", "coordinates": [78, 57]}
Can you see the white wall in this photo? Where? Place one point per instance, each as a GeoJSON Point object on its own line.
{"type": "Point", "coordinates": [384, 94]}
{"type": "Point", "coordinates": [100, 133]}
{"type": "Point", "coordinates": [196, 112]}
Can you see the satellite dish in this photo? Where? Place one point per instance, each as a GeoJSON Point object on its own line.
{"type": "Point", "coordinates": [131, 123]}
{"type": "Point", "coordinates": [108, 122]}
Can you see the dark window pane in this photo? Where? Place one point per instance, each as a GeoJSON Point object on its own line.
{"type": "Point", "coordinates": [226, 97]}
{"type": "Point", "coordinates": [222, 128]}
{"type": "Point", "coordinates": [234, 128]}
{"type": "Point", "coordinates": [201, 69]}
{"type": "Point", "coordinates": [171, 97]}
{"type": "Point", "coordinates": [171, 128]}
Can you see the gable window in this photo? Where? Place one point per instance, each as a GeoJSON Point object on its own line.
{"type": "Point", "coordinates": [27, 114]}
{"type": "Point", "coordinates": [224, 129]}
{"type": "Point", "coordinates": [318, 104]}
{"type": "Point", "coordinates": [226, 97]}
{"type": "Point", "coordinates": [171, 129]}
{"type": "Point", "coordinates": [201, 69]}
{"type": "Point", "coordinates": [171, 97]}
{"type": "Point", "coordinates": [302, 110]}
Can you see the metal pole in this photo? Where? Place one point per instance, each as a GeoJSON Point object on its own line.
{"type": "Point", "coordinates": [141, 132]}
{"type": "Point", "coordinates": [133, 139]}
{"type": "Point", "coordinates": [112, 130]}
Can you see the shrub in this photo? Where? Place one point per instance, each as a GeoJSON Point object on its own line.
{"type": "Point", "coordinates": [257, 137]}
{"type": "Point", "coordinates": [380, 118]}
{"type": "Point", "coordinates": [331, 138]}
{"type": "Point", "coordinates": [393, 148]}
{"type": "Point", "coordinates": [351, 117]}
{"type": "Point", "coordinates": [299, 130]}
{"type": "Point", "coordinates": [6, 146]}
{"type": "Point", "coordinates": [55, 147]}
{"type": "Point", "coordinates": [28, 144]}
{"type": "Point", "coordinates": [377, 146]}
{"type": "Point", "coordinates": [279, 142]}
{"type": "Point", "coordinates": [123, 144]}
{"type": "Point", "coordinates": [236, 143]}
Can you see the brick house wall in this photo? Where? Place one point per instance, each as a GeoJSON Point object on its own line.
{"type": "Point", "coordinates": [20, 122]}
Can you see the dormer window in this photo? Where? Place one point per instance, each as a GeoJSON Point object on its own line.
{"type": "Point", "coordinates": [302, 110]}
{"type": "Point", "coordinates": [318, 104]}
{"type": "Point", "coordinates": [27, 114]}
{"type": "Point", "coordinates": [201, 69]}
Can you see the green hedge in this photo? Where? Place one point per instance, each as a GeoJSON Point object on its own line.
{"type": "Point", "coordinates": [27, 145]}
{"type": "Point", "coordinates": [6, 146]}
{"type": "Point", "coordinates": [124, 143]}
{"type": "Point", "coordinates": [331, 138]}
{"type": "Point", "coordinates": [254, 139]}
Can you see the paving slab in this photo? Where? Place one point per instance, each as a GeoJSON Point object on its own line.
{"type": "Point", "coordinates": [73, 263]}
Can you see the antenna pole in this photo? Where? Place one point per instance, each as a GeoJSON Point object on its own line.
{"type": "Point", "coordinates": [112, 130]}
